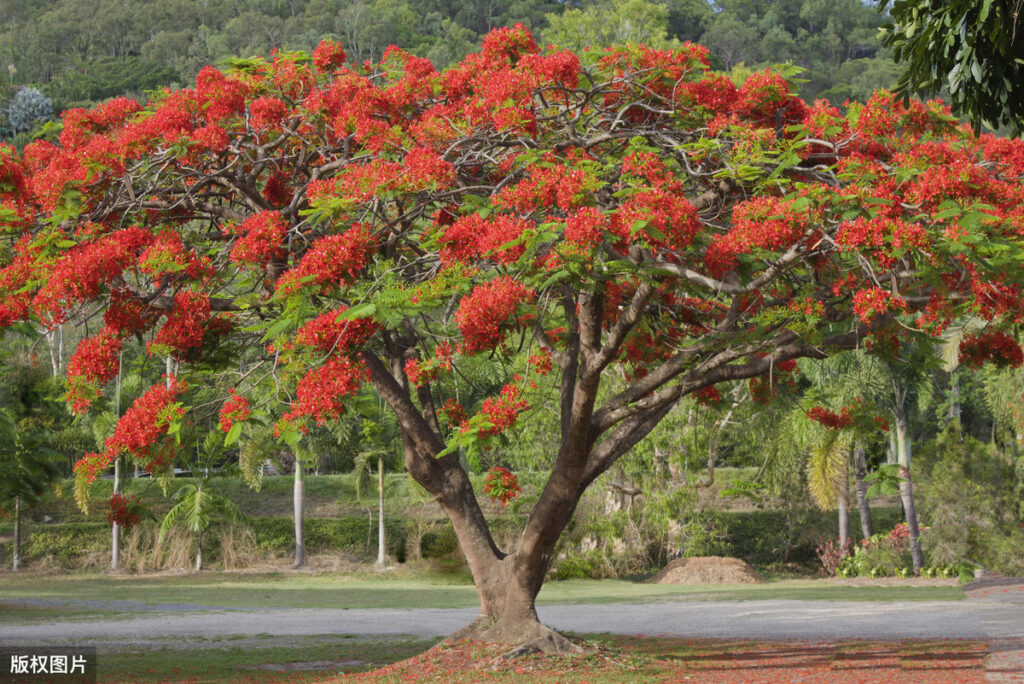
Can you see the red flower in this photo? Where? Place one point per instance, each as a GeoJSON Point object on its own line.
{"type": "Point", "coordinates": [236, 408]}
{"type": "Point", "coordinates": [502, 485]}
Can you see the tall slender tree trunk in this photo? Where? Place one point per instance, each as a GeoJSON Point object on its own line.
{"type": "Point", "coordinates": [16, 565]}
{"type": "Point", "coordinates": [907, 492]}
{"type": "Point", "coordinates": [115, 529]}
{"type": "Point", "coordinates": [299, 509]}
{"type": "Point", "coordinates": [381, 558]}
{"type": "Point", "coordinates": [860, 470]}
{"type": "Point", "coordinates": [199, 552]}
{"type": "Point", "coordinates": [844, 511]}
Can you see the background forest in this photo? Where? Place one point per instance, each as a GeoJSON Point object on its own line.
{"type": "Point", "coordinates": [78, 52]}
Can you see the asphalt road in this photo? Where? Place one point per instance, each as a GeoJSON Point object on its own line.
{"type": "Point", "coordinates": [995, 615]}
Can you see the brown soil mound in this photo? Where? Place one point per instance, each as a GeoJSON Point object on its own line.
{"type": "Point", "coordinates": [707, 570]}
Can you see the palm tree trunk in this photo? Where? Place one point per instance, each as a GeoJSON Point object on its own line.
{"type": "Point", "coordinates": [199, 552]}
{"type": "Point", "coordinates": [299, 508]}
{"type": "Point", "coordinates": [860, 464]}
{"type": "Point", "coordinates": [17, 534]}
{"type": "Point", "coordinates": [907, 492]}
{"type": "Point", "coordinates": [381, 558]}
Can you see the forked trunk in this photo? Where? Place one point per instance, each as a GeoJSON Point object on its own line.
{"type": "Point", "coordinates": [860, 462]}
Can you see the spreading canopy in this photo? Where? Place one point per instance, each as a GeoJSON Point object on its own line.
{"type": "Point", "coordinates": [553, 215]}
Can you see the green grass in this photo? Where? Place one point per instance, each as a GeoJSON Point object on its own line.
{"type": "Point", "coordinates": [278, 590]}
{"type": "Point", "coordinates": [238, 659]}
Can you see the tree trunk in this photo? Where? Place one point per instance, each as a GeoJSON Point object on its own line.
{"type": "Point", "coordinates": [199, 552]}
{"type": "Point", "coordinates": [115, 529]}
{"type": "Point", "coordinates": [381, 557]}
{"type": "Point", "coordinates": [860, 463]}
{"type": "Point", "coordinates": [299, 509]}
{"type": "Point", "coordinates": [844, 514]}
{"type": "Point", "coordinates": [16, 566]}
{"type": "Point", "coordinates": [907, 492]}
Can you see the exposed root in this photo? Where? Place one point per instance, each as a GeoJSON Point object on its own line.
{"type": "Point", "coordinates": [528, 637]}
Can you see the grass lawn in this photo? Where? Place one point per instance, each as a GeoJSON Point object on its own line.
{"type": "Point", "coordinates": [90, 594]}
{"type": "Point", "coordinates": [265, 659]}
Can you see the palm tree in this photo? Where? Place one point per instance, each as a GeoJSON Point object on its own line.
{"type": "Point", "coordinates": [199, 503]}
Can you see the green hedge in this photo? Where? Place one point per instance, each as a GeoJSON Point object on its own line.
{"type": "Point", "coordinates": [352, 534]}
{"type": "Point", "coordinates": [759, 537]}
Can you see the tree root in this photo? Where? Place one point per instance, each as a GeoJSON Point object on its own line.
{"type": "Point", "coordinates": [528, 636]}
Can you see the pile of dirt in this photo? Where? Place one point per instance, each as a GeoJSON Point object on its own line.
{"type": "Point", "coordinates": [707, 570]}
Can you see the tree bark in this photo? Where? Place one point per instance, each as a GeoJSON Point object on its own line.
{"type": "Point", "coordinates": [115, 529]}
{"type": "Point", "coordinates": [16, 565]}
{"type": "Point", "coordinates": [860, 464]}
{"type": "Point", "coordinates": [299, 509]}
{"type": "Point", "coordinates": [381, 557]}
{"type": "Point", "coordinates": [907, 492]}
{"type": "Point", "coordinates": [199, 552]}
{"type": "Point", "coordinates": [844, 513]}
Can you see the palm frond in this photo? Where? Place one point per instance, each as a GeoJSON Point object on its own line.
{"type": "Point", "coordinates": [827, 469]}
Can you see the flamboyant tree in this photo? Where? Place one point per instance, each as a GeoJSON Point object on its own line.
{"type": "Point", "coordinates": [627, 226]}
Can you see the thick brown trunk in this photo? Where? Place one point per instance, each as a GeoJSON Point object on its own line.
{"type": "Point", "coordinates": [867, 526]}
{"type": "Point", "coordinates": [508, 612]}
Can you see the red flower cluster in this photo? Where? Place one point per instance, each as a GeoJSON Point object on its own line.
{"type": "Point", "coordinates": [236, 408]}
{"type": "Point", "coordinates": [138, 432]}
{"type": "Point", "coordinates": [93, 364]}
{"type": "Point", "coordinates": [830, 419]}
{"type": "Point", "coordinates": [483, 312]}
{"type": "Point", "coordinates": [124, 511]}
{"type": "Point", "coordinates": [320, 392]}
{"type": "Point", "coordinates": [872, 302]}
{"type": "Point", "coordinates": [332, 261]}
{"type": "Point", "coordinates": [541, 363]}
{"type": "Point", "coordinates": [266, 112]}
{"type": "Point", "coordinates": [502, 485]}
{"type": "Point", "coordinates": [186, 324]}
{"type": "Point", "coordinates": [708, 396]}
{"type": "Point", "coordinates": [996, 347]}
{"type": "Point", "coordinates": [262, 239]}
{"type": "Point", "coordinates": [453, 412]}
{"type": "Point", "coordinates": [503, 411]}
{"type": "Point", "coordinates": [127, 315]}
{"type": "Point", "coordinates": [764, 389]}
{"type": "Point", "coordinates": [77, 277]}
{"type": "Point", "coordinates": [474, 237]}
{"type": "Point", "coordinates": [328, 55]}
{"type": "Point", "coordinates": [759, 223]}
{"type": "Point", "coordinates": [765, 99]}
{"type": "Point", "coordinates": [330, 332]}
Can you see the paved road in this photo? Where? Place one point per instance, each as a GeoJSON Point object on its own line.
{"type": "Point", "coordinates": [995, 615]}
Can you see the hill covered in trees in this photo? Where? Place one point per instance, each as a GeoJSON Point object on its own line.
{"type": "Point", "coordinates": [78, 52]}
